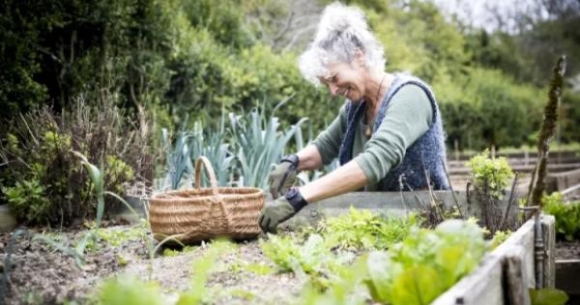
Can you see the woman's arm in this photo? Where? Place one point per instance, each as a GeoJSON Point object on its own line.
{"type": "Point", "coordinates": [310, 158]}
{"type": "Point", "coordinates": [344, 179]}
{"type": "Point", "coordinates": [326, 146]}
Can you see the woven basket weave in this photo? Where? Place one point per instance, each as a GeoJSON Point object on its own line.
{"type": "Point", "coordinates": [196, 214]}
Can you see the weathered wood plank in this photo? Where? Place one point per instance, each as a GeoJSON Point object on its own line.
{"type": "Point", "coordinates": [563, 180]}
{"type": "Point", "coordinates": [393, 203]}
{"type": "Point", "coordinates": [552, 168]}
{"type": "Point", "coordinates": [485, 285]}
{"type": "Point", "coordinates": [549, 238]}
{"type": "Point", "coordinates": [568, 272]}
{"type": "Point", "coordinates": [482, 287]}
{"type": "Point", "coordinates": [523, 237]}
{"type": "Point", "coordinates": [516, 277]}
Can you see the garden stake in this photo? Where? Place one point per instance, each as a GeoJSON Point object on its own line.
{"type": "Point", "coordinates": [451, 188]}
{"type": "Point", "coordinates": [401, 193]}
{"type": "Point", "coordinates": [509, 203]}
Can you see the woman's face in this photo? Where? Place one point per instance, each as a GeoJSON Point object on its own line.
{"type": "Point", "coordinates": [345, 79]}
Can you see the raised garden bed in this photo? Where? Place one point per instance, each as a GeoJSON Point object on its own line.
{"type": "Point", "coordinates": [244, 275]}
{"type": "Point", "coordinates": [568, 268]}
{"type": "Point", "coordinates": [506, 274]}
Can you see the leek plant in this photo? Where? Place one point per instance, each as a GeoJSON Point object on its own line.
{"type": "Point", "coordinates": [187, 147]}
{"type": "Point", "coordinates": [259, 143]}
{"type": "Point", "coordinates": [178, 161]}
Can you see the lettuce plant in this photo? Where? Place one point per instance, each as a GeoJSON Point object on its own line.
{"type": "Point", "coordinates": [426, 264]}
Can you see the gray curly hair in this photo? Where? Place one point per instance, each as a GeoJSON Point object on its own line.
{"type": "Point", "coordinates": [341, 31]}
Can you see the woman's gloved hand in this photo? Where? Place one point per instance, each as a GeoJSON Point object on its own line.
{"type": "Point", "coordinates": [280, 210]}
{"type": "Point", "coordinates": [283, 176]}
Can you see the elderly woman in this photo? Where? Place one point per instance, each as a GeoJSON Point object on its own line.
{"type": "Point", "coordinates": [388, 136]}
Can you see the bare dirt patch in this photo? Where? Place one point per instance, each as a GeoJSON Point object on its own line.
{"type": "Point", "coordinates": [39, 274]}
{"type": "Point", "coordinates": [566, 250]}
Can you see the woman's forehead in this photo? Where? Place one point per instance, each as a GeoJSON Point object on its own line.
{"type": "Point", "coordinates": [331, 69]}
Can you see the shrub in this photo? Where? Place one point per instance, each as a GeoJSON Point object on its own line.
{"type": "Point", "coordinates": [43, 181]}
{"type": "Point", "coordinates": [490, 174]}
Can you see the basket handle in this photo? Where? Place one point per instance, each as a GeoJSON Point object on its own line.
{"type": "Point", "coordinates": [204, 162]}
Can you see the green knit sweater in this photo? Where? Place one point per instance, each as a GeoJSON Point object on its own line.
{"type": "Point", "coordinates": [408, 117]}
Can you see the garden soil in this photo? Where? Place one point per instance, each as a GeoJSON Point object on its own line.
{"type": "Point", "coordinates": [566, 250]}
{"type": "Point", "coordinates": [39, 274]}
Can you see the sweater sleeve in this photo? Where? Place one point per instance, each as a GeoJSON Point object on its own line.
{"type": "Point", "coordinates": [328, 141]}
{"type": "Point", "coordinates": [408, 116]}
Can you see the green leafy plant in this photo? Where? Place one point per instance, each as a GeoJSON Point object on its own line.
{"type": "Point", "coordinates": [498, 238]}
{"type": "Point", "coordinates": [491, 174]}
{"type": "Point", "coordinates": [26, 198]}
{"type": "Point", "coordinates": [344, 286]}
{"type": "Point", "coordinates": [363, 229]}
{"type": "Point", "coordinates": [290, 256]}
{"type": "Point", "coordinates": [567, 215]}
{"type": "Point", "coordinates": [259, 144]}
{"type": "Point", "coordinates": [176, 252]}
{"type": "Point", "coordinates": [178, 158]}
{"type": "Point", "coordinates": [90, 237]}
{"type": "Point", "coordinates": [425, 264]}
{"type": "Point", "coordinates": [43, 181]}
{"type": "Point", "coordinates": [116, 238]}
{"type": "Point", "coordinates": [127, 290]}
{"type": "Point", "coordinates": [188, 146]}
{"type": "Point", "coordinates": [548, 296]}
{"type": "Point", "coordinates": [198, 292]}
{"type": "Point", "coordinates": [313, 259]}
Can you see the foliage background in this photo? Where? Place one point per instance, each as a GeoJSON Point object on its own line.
{"type": "Point", "coordinates": [197, 58]}
{"type": "Point", "coordinates": [177, 62]}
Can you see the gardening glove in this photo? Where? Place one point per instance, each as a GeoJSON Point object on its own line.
{"type": "Point", "coordinates": [283, 176]}
{"type": "Point", "coordinates": [278, 211]}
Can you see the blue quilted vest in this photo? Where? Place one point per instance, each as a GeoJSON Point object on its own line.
{"type": "Point", "coordinates": [426, 157]}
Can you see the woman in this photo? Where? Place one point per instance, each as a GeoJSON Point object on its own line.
{"type": "Point", "coordinates": [388, 136]}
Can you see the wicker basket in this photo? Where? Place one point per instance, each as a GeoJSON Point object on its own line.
{"type": "Point", "coordinates": [196, 214]}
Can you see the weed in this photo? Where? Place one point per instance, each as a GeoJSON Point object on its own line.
{"type": "Point", "coordinates": [174, 252]}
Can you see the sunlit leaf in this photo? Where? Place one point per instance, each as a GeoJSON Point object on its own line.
{"type": "Point", "coordinates": [548, 296]}
{"type": "Point", "coordinates": [418, 285]}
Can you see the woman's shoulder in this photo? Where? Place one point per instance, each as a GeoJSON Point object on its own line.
{"type": "Point", "coordinates": [408, 85]}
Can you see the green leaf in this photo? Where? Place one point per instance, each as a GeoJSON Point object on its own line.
{"type": "Point", "coordinates": [462, 264]}
{"type": "Point", "coordinates": [418, 285]}
{"type": "Point", "coordinates": [382, 271]}
{"type": "Point", "coordinates": [548, 296]}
